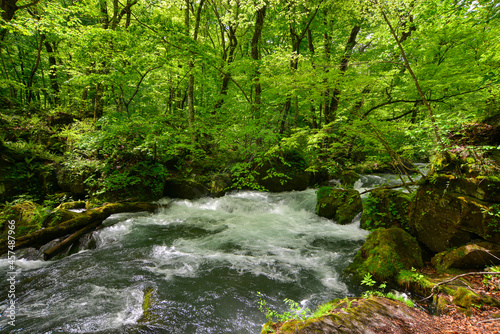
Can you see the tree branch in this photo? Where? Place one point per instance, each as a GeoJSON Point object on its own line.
{"type": "Point", "coordinates": [28, 5]}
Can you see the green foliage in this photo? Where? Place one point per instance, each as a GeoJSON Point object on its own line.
{"type": "Point", "coordinates": [295, 312]}
{"type": "Point", "coordinates": [370, 210]}
{"type": "Point", "coordinates": [245, 176]}
{"type": "Point", "coordinates": [494, 211]}
{"type": "Point", "coordinates": [370, 282]}
{"type": "Point", "coordinates": [140, 181]}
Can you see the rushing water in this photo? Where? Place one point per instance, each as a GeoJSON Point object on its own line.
{"type": "Point", "coordinates": [205, 260]}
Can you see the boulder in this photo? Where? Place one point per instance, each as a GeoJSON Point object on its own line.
{"type": "Point", "coordinates": [185, 189]}
{"type": "Point", "coordinates": [471, 256]}
{"type": "Point", "coordinates": [348, 178]}
{"type": "Point", "coordinates": [385, 253]}
{"type": "Point", "coordinates": [385, 208]}
{"type": "Point", "coordinates": [338, 204]}
{"type": "Point", "coordinates": [371, 315]}
{"type": "Point", "coordinates": [466, 298]}
{"type": "Point", "coordinates": [218, 185]}
{"type": "Point", "coordinates": [441, 219]}
{"type": "Point", "coordinates": [73, 181]}
{"type": "Point", "coordinates": [478, 188]}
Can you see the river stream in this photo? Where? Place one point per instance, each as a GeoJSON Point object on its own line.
{"type": "Point", "coordinates": [205, 260]}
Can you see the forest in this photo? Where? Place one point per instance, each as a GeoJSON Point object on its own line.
{"type": "Point", "coordinates": [108, 102]}
{"type": "Point", "coordinates": [207, 87]}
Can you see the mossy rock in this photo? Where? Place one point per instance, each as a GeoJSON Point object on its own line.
{"type": "Point", "coordinates": [348, 178]}
{"type": "Point", "coordinates": [465, 298]}
{"type": "Point", "coordinates": [28, 217]}
{"type": "Point", "coordinates": [219, 184]}
{"type": "Point", "coordinates": [442, 220]}
{"type": "Point", "coordinates": [471, 256]}
{"type": "Point", "coordinates": [338, 204]}
{"type": "Point", "coordinates": [479, 188]}
{"type": "Point", "coordinates": [385, 253]}
{"type": "Point", "coordinates": [147, 305]}
{"type": "Point", "coordinates": [370, 315]}
{"type": "Point", "coordinates": [72, 205]}
{"type": "Point", "coordinates": [72, 179]}
{"type": "Point", "coordinates": [386, 208]}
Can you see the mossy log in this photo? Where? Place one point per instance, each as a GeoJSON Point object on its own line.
{"type": "Point", "coordinates": [82, 223]}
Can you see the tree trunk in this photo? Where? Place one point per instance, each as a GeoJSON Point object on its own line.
{"type": "Point", "coordinates": [233, 43]}
{"type": "Point", "coordinates": [98, 101]}
{"type": "Point", "coordinates": [437, 138]}
{"type": "Point", "coordinates": [190, 91]}
{"type": "Point", "coordinates": [259, 24]}
{"type": "Point", "coordinates": [331, 110]}
{"type": "Point", "coordinates": [31, 79]}
{"type": "Point", "coordinates": [53, 72]}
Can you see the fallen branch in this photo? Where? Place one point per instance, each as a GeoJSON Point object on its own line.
{"type": "Point", "coordinates": [488, 320]}
{"type": "Point", "coordinates": [60, 247]}
{"type": "Point", "coordinates": [81, 221]}
{"type": "Point", "coordinates": [458, 276]}
{"type": "Point", "coordinates": [392, 187]}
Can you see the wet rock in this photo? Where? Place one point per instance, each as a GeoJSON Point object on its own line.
{"type": "Point", "coordinates": [385, 253]}
{"type": "Point", "coordinates": [29, 254]}
{"type": "Point", "coordinates": [478, 188]}
{"type": "Point", "coordinates": [186, 189]}
{"type": "Point", "coordinates": [441, 219]}
{"type": "Point", "coordinates": [385, 208]}
{"type": "Point", "coordinates": [147, 305]}
{"type": "Point", "coordinates": [88, 241]}
{"type": "Point", "coordinates": [338, 204]}
{"type": "Point", "coordinates": [219, 184]}
{"type": "Point", "coordinates": [472, 256]}
{"type": "Point", "coordinates": [372, 315]}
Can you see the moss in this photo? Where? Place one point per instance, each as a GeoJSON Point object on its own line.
{"type": "Point", "coordinates": [147, 304]}
{"type": "Point", "coordinates": [466, 298]}
{"type": "Point", "coordinates": [414, 281]}
{"type": "Point", "coordinates": [28, 215]}
{"type": "Point", "coordinates": [385, 253]}
{"type": "Point", "coordinates": [440, 303]}
{"type": "Point", "coordinates": [348, 178]}
{"type": "Point", "coordinates": [339, 205]}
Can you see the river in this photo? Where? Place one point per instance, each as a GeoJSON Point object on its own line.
{"type": "Point", "coordinates": [205, 260]}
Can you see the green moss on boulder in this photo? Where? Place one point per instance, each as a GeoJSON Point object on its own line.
{"type": "Point", "coordinates": [370, 315]}
{"type": "Point", "coordinates": [385, 253]}
{"type": "Point", "coordinates": [338, 204]}
{"type": "Point", "coordinates": [465, 298]}
{"type": "Point", "coordinates": [348, 178]}
{"type": "Point", "coordinates": [471, 256]}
